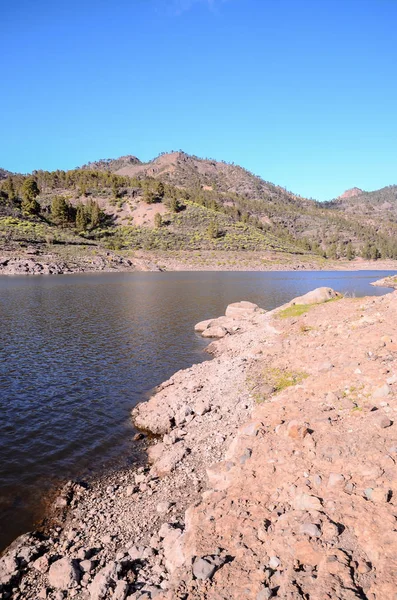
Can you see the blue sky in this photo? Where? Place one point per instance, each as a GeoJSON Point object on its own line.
{"type": "Point", "coordinates": [301, 92]}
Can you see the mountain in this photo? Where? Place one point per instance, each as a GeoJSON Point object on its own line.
{"type": "Point", "coordinates": [182, 202]}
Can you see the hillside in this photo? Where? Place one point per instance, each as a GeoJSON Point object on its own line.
{"type": "Point", "coordinates": [379, 204]}
{"type": "Point", "coordinates": [179, 203]}
{"type": "Point", "coordinates": [4, 173]}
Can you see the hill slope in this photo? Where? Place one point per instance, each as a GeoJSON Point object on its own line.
{"type": "Point", "coordinates": [184, 203]}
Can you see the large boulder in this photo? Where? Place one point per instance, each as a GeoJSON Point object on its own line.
{"type": "Point", "coordinates": [203, 325]}
{"type": "Point", "coordinates": [317, 296]}
{"type": "Point", "coordinates": [238, 310]}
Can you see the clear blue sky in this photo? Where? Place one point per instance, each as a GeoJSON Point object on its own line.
{"type": "Point", "coordinates": [301, 92]}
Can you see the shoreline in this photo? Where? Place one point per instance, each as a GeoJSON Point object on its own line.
{"type": "Point", "coordinates": [50, 263]}
{"type": "Point", "coordinates": [145, 533]}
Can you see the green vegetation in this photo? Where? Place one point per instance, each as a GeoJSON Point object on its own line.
{"type": "Point", "coordinates": [273, 380]}
{"type": "Point", "coordinates": [296, 310]}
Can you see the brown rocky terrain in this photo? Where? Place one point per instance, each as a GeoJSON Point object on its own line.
{"type": "Point", "coordinates": [272, 473]}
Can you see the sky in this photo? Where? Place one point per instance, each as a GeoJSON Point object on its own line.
{"type": "Point", "coordinates": [300, 92]}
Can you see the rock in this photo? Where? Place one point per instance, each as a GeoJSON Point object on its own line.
{"type": "Point", "coordinates": [121, 590]}
{"type": "Point", "coordinates": [377, 495]}
{"type": "Point", "coordinates": [215, 332]}
{"type": "Point", "coordinates": [103, 580]}
{"type": "Point", "coordinates": [63, 574]}
{"type": "Point", "coordinates": [317, 296]}
{"type": "Point", "coordinates": [163, 507]}
{"type": "Point", "coordinates": [203, 325]}
{"type": "Point", "coordinates": [86, 566]}
{"type": "Point", "coordinates": [381, 392]}
{"type": "Point", "coordinates": [306, 502]}
{"type": "Point", "coordinates": [202, 406]}
{"type": "Point", "coordinates": [335, 480]}
{"type": "Point", "coordinates": [41, 564]}
{"type": "Point", "coordinates": [310, 529]}
{"type": "Point", "coordinates": [274, 562]}
{"type": "Point", "coordinates": [264, 594]}
{"type": "Point", "coordinates": [241, 309]}
{"type": "Point", "coordinates": [382, 422]}
{"type": "Point", "coordinates": [202, 569]}
{"type": "Point", "coordinates": [297, 430]}
{"type": "Point", "coordinates": [251, 429]}
{"type": "Point", "coordinates": [173, 549]}
{"type": "Point", "coordinates": [8, 569]}
{"type": "Point", "coordinates": [136, 552]}
{"type": "Point", "coordinates": [130, 489]}
{"type": "Point", "coordinates": [170, 459]}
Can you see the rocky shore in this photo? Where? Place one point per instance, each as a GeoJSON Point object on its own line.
{"type": "Point", "coordinates": [390, 282]}
{"type": "Point", "coordinates": [272, 473]}
{"type": "Point", "coordinates": [65, 260]}
{"type": "Point", "coordinates": [40, 263]}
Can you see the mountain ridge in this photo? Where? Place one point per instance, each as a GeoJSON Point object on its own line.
{"type": "Point", "coordinates": [181, 201]}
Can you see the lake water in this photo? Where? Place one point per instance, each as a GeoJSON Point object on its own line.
{"type": "Point", "coordinates": [78, 352]}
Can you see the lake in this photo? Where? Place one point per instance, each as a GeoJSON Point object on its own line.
{"type": "Point", "coordinates": [77, 352]}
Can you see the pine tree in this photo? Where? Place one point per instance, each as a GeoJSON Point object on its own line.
{"type": "Point", "coordinates": [95, 214]}
{"type": "Point", "coordinates": [60, 210]}
{"type": "Point", "coordinates": [349, 251]}
{"type": "Point", "coordinates": [81, 218]}
{"type": "Point", "coordinates": [30, 191]}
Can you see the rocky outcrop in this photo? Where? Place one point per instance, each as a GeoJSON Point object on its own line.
{"type": "Point", "coordinates": [351, 193]}
{"type": "Point", "coordinates": [53, 265]}
{"type": "Point", "coordinates": [390, 282]}
{"type": "Point", "coordinates": [273, 476]}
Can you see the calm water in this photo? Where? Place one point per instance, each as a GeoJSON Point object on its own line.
{"type": "Point", "coordinates": [78, 352]}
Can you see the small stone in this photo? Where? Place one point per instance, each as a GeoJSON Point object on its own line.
{"type": "Point", "coordinates": [202, 569]}
{"type": "Point", "coordinates": [296, 430]}
{"type": "Point", "coordinates": [377, 495]}
{"type": "Point", "coordinates": [86, 566]}
{"type": "Point", "coordinates": [335, 480]}
{"type": "Point", "coordinates": [307, 502]}
{"type": "Point", "coordinates": [274, 562]}
{"type": "Point", "coordinates": [138, 436]}
{"type": "Point", "coordinates": [382, 422]}
{"type": "Point", "coordinates": [264, 594]}
{"type": "Point", "coordinates": [163, 507]}
{"type": "Point", "coordinates": [364, 567]}
{"type": "Point", "coordinates": [381, 392]}
{"type": "Point", "coordinates": [325, 367]}
{"type": "Point", "coordinates": [41, 564]}
{"type": "Point", "coordinates": [310, 529]}
{"type": "Point", "coordinates": [130, 489]}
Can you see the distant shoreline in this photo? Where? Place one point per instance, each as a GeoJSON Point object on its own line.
{"type": "Point", "coordinates": [63, 262]}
